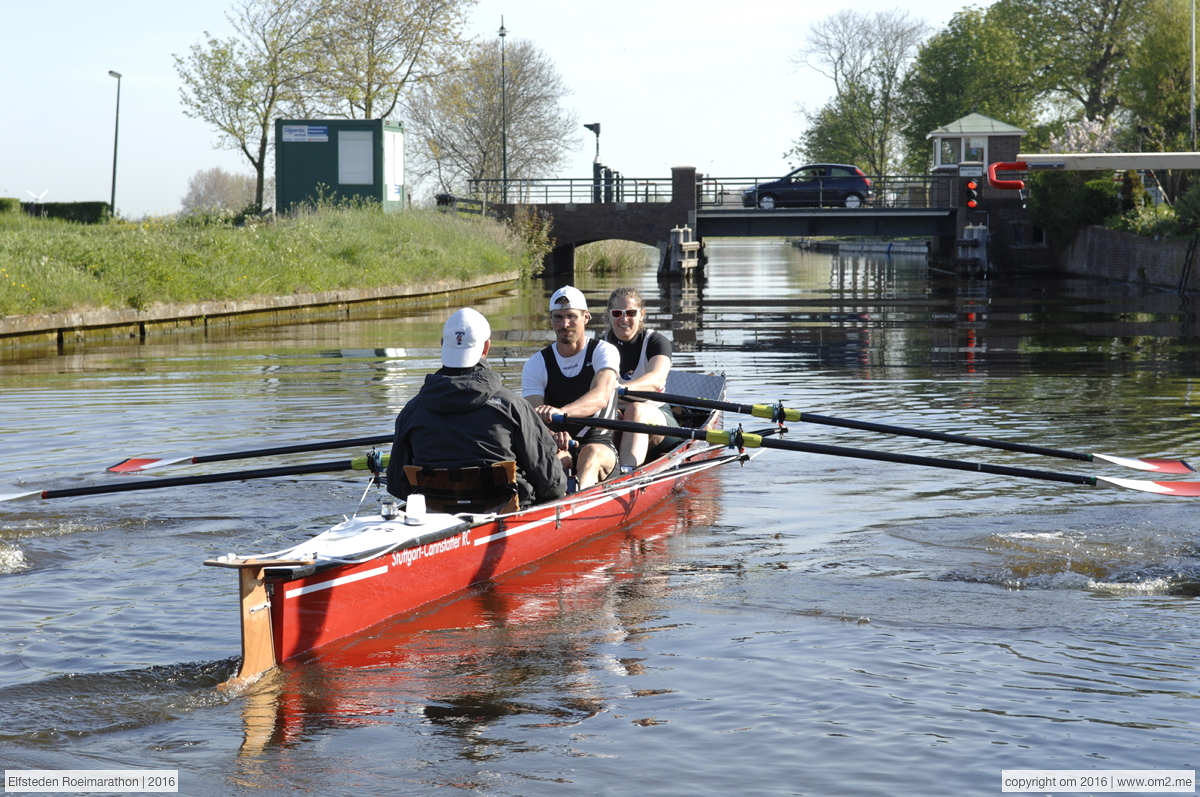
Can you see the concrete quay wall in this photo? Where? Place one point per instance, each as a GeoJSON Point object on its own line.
{"type": "Point", "coordinates": [59, 329]}
{"type": "Point", "coordinates": [1123, 257]}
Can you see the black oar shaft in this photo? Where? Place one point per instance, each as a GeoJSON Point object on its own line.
{"type": "Point", "coordinates": [931, 462]}
{"type": "Point", "coordinates": [769, 411]}
{"type": "Point", "coordinates": [724, 437]}
{"type": "Point", "coordinates": [358, 463]}
{"type": "Point", "coordinates": [298, 448]}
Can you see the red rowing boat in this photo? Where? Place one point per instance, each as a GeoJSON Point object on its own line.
{"type": "Point", "coordinates": [372, 567]}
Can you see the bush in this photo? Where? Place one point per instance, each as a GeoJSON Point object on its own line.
{"type": "Point", "coordinates": [533, 230]}
{"type": "Point", "coordinates": [9, 205]}
{"type": "Point", "coordinates": [1187, 212]}
{"type": "Point", "coordinates": [1152, 221]}
{"type": "Point", "coordinates": [1133, 193]}
{"type": "Point", "coordinates": [82, 212]}
{"type": "Point", "coordinates": [1062, 204]}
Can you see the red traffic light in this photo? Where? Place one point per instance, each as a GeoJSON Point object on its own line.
{"type": "Point", "coordinates": [972, 194]}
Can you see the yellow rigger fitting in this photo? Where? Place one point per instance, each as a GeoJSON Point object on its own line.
{"type": "Point", "coordinates": [770, 412]}
{"type": "Point", "coordinates": [724, 437]}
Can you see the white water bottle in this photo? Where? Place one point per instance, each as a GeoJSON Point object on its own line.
{"type": "Point", "coordinates": [414, 510]}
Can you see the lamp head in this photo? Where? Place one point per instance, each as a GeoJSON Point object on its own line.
{"type": "Point", "coordinates": [117, 75]}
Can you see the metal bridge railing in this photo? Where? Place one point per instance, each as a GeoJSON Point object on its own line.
{"type": "Point", "coordinates": [889, 191]}
{"type": "Point", "coordinates": [565, 190]}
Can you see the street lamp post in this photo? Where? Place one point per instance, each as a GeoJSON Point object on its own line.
{"type": "Point", "coordinates": [503, 117]}
{"type": "Point", "coordinates": [595, 128]}
{"type": "Point", "coordinates": [597, 168]}
{"type": "Point", "coordinates": [112, 200]}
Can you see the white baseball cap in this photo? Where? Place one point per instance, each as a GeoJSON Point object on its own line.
{"type": "Point", "coordinates": [463, 337]}
{"type": "Point", "coordinates": [574, 299]}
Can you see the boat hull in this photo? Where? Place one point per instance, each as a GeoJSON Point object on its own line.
{"type": "Point", "coordinates": [314, 610]}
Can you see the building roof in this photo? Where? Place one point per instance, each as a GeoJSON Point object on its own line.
{"type": "Point", "coordinates": [976, 124]}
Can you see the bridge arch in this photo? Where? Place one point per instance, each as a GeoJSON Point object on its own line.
{"type": "Point", "coordinates": [575, 224]}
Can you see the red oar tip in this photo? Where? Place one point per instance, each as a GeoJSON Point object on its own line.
{"type": "Point", "coordinates": [138, 464]}
{"type": "Point", "coordinates": [130, 465]}
{"type": "Point", "coordinates": [1180, 489]}
{"type": "Point", "coordinates": [1155, 465]}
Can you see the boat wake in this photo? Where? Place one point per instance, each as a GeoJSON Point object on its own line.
{"type": "Point", "coordinates": [12, 558]}
{"type": "Point", "coordinates": [71, 706]}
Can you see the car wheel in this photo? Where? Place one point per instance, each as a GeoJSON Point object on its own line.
{"type": "Point", "coordinates": [766, 202]}
{"type": "Point", "coordinates": [853, 201]}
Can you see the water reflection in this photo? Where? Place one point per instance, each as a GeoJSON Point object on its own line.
{"type": "Point", "coordinates": [705, 652]}
{"type": "Point", "coordinates": [523, 648]}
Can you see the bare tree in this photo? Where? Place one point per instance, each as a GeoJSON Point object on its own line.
{"type": "Point", "coordinates": [457, 124]}
{"type": "Point", "coordinates": [866, 56]}
{"type": "Point", "coordinates": [241, 84]}
{"type": "Point", "coordinates": [373, 49]}
{"type": "Point", "coordinates": [216, 189]}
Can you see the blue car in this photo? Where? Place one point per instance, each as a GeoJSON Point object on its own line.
{"type": "Point", "coordinates": [815, 185]}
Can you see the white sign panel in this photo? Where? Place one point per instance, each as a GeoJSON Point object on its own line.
{"type": "Point", "coordinates": [306, 133]}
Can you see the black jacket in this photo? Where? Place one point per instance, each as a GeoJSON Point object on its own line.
{"type": "Point", "coordinates": [465, 417]}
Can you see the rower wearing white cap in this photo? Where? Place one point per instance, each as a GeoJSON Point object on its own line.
{"type": "Point", "coordinates": [575, 376]}
{"type": "Point", "coordinates": [463, 416]}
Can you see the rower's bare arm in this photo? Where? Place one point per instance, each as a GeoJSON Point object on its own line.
{"type": "Point", "coordinates": [655, 378]}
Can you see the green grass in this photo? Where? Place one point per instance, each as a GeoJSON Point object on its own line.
{"type": "Point", "coordinates": [51, 266]}
{"type": "Point", "coordinates": [614, 257]}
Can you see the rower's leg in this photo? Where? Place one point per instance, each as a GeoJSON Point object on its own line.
{"type": "Point", "coordinates": [594, 463]}
{"type": "Point", "coordinates": [635, 446]}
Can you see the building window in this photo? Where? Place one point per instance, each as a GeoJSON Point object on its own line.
{"type": "Point", "coordinates": [976, 149]}
{"type": "Point", "coordinates": [951, 151]}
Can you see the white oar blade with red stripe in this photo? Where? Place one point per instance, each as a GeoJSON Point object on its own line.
{"type": "Point", "coordinates": [15, 496]}
{"type": "Point", "coordinates": [139, 464]}
{"type": "Point", "coordinates": [1156, 465]}
{"type": "Point", "coordinates": [1181, 489]}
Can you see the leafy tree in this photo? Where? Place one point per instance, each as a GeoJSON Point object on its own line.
{"type": "Point", "coordinates": [832, 135]}
{"type": "Point", "coordinates": [213, 190]}
{"type": "Point", "coordinates": [373, 49]}
{"type": "Point", "coordinates": [241, 84]}
{"type": "Point", "coordinates": [1083, 46]}
{"type": "Point", "coordinates": [974, 65]}
{"type": "Point", "coordinates": [457, 123]}
{"type": "Point", "coordinates": [865, 55]}
{"type": "Point", "coordinates": [1156, 87]}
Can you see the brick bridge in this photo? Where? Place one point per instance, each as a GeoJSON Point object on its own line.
{"type": "Point", "coordinates": [713, 208]}
{"type": "Point", "coordinates": [580, 223]}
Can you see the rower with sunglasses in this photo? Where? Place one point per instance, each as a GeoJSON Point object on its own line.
{"type": "Point", "coordinates": [645, 363]}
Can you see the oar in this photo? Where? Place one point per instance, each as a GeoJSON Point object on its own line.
{"type": "Point", "coordinates": [777, 413]}
{"type": "Point", "coordinates": [746, 440]}
{"type": "Point", "coordinates": [374, 462]}
{"type": "Point", "coordinates": [138, 464]}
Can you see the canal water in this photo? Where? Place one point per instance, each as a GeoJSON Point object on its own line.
{"type": "Point", "coordinates": [802, 625]}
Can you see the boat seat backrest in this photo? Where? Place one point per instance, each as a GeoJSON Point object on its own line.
{"type": "Point", "coordinates": [485, 489]}
{"type": "Point", "coordinates": [687, 383]}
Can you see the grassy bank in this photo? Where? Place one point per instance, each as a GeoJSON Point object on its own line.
{"type": "Point", "coordinates": [53, 266]}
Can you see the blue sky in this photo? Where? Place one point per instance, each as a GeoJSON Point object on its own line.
{"type": "Point", "coordinates": [700, 83]}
